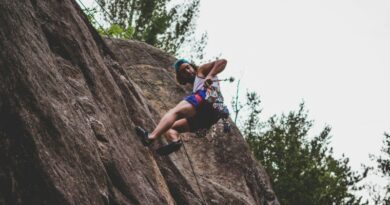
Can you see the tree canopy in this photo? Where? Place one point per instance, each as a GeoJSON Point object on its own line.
{"type": "Point", "coordinates": [379, 194]}
{"type": "Point", "coordinates": [160, 23]}
{"type": "Point", "coordinates": [302, 168]}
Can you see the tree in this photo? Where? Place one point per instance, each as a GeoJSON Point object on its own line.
{"type": "Point", "coordinates": [252, 123]}
{"type": "Point", "coordinates": [383, 168]}
{"type": "Point", "coordinates": [303, 169]}
{"type": "Point", "coordinates": [384, 164]}
{"type": "Point", "coordinates": [236, 104]}
{"type": "Point", "coordinates": [114, 30]}
{"type": "Point", "coordinates": [158, 22]}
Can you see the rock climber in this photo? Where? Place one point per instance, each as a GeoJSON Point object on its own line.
{"type": "Point", "coordinates": [200, 110]}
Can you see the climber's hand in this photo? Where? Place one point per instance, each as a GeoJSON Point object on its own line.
{"type": "Point", "coordinates": [208, 82]}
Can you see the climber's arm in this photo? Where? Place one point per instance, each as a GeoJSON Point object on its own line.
{"type": "Point", "coordinates": [210, 70]}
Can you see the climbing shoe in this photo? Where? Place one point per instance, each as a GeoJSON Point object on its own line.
{"type": "Point", "coordinates": [144, 135]}
{"type": "Point", "coordinates": [169, 148]}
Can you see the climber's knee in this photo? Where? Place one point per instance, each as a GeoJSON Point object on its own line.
{"type": "Point", "coordinates": [172, 135]}
{"type": "Point", "coordinates": [183, 110]}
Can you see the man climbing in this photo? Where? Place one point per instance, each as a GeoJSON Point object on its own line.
{"type": "Point", "coordinates": [200, 110]}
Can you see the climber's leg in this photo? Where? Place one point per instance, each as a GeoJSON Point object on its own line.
{"type": "Point", "coordinates": [183, 110]}
{"type": "Point", "coordinates": [173, 136]}
{"type": "Point", "coordinates": [179, 126]}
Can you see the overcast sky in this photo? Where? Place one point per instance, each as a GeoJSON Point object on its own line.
{"type": "Point", "coordinates": [334, 55]}
{"type": "Point", "coordinates": [331, 54]}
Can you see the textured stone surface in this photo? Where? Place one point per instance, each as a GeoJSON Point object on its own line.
{"type": "Point", "coordinates": [69, 101]}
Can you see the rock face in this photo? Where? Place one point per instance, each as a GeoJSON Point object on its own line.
{"type": "Point", "coordinates": [69, 102]}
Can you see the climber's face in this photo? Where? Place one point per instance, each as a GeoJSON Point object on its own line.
{"type": "Point", "coordinates": [187, 71]}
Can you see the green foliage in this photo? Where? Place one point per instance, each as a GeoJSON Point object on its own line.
{"type": "Point", "coordinates": [303, 169]}
{"type": "Point", "coordinates": [157, 22]}
{"type": "Point", "coordinates": [91, 13]}
{"type": "Point", "coordinates": [114, 30]}
{"type": "Point", "coordinates": [384, 161]}
{"type": "Point", "coordinates": [117, 31]}
{"type": "Point", "coordinates": [252, 123]}
{"type": "Point", "coordinates": [383, 167]}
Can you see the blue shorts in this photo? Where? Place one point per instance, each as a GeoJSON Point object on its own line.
{"type": "Point", "coordinates": [196, 98]}
{"type": "Point", "coordinates": [205, 115]}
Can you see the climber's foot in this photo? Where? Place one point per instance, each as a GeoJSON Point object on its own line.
{"type": "Point", "coordinates": [169, 148]}
{"type": "Point", "coordinates": [144, 135]}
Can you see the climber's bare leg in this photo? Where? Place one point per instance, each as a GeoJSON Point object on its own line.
{"type": "Point", "coordinates": [182, 110]}
{"type": "Point", "coordinates": [179, 126]}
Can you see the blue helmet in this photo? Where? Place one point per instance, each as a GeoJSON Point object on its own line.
{"type": "Point", "coordinates": [180, 61]}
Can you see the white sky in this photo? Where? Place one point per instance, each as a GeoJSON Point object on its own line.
{"type": "Point", "coordinates": [333, 54]}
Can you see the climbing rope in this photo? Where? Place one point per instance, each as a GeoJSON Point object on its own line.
{"type": "Point", "coordinates": [193, 172]}
{"type": "Point", "coordinates": [143, 79]}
